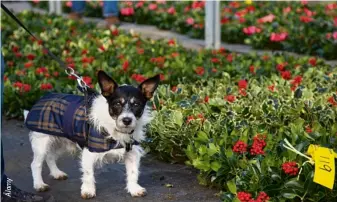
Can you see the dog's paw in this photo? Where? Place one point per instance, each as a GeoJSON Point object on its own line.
{"type": "Point", "coordinates": [136, 190]}
{"type": "Point", "coordinates": [87, 195]}
{"type": "Point", "coordinates": [41, 188]}
{"type": "Point", "coordinates": [60, 176]}
{"type": "Point", "coordinates": [88, 191]}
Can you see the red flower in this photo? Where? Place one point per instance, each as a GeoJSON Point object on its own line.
{"type": "Point", "coordinates": [230, 98]}
{"type": "Point", "coordinates": [335, 21]}
{"type": "Point", "coordinates": [297, 80]}
{"type": "Point", "coordinates": [171, 10]}
{"type": "Point", "coordinates": [214, 70]}
{"type": "Point", "coordinates": [332, 101]}
{"type": "Point", "coordinates": [242, 84]}
{"type": "Point", "coordinates": [189, 119]}
{"type": "Point", "coordinates": [200, 70]}
{"type": "Point", "coordinates": [41, 70]}
{"type": "Point", "coordinates": [69, 4]}
{"type": "Point", "coordinates": [251, 30]}
{"type": "Point", "coordinates": [290, 168]}
{"type": "Point", "coordinates": [46, 86]}
{"type": "Point", "coordinates": [271, 88]}
{"type": "Point", "coordinates": [18, 55]}
{"type": "Point", "coordinates": [30, 56]}
{"type": "Point", "coordinates": [267, 18]}
{"type": "Point", "coordinates": [265, 57]}
{"type": "Point", "coordinates": [244, 196]}
{"type": "Point", "coordinates": [5, 78]}
{"type": "Point", "coordinates": [286, 75]}
{"type": "Point", "coordinates": [262, 197]}
{"type": "Point", "coordinates": [152, 7]}
{"type": "Point", "coordinates": [84, 51]}
{"type": "Point", "coordinates": [242, 92]}
{"type": "Point", "coordinates": [102, 48]}
{"type": "Point", "coordinates": [280, 67]}
{"type": "Point", "coordinates": [10, 63]}
{"type": "Point", "coordinates": [240, 147]}
{"type": "Point", "coordinates": [87, 80]}
{"type": "Point", "coordinates": [174, 54]}
{"type": "Point", "coordinates": [304, 2]}
{"type": "Point", "coordinates": [331, 6]}
{"type": "Point", "coordinates": [234, 4]}
{"type": "Point", "coordinates": [138, 77]}
{"type": "Point", "coordinates": [171, 42]}
{"type": "Point", "coordinates": [127, 11]}
{"type": "Point", "coordinates": [252, 69]}
{"type": "Point", "coordinates": [186, 9]}
{"type": "Point", "coordinates": [198, 4]}
{"type": "Point", "coordinates": [22, 87]}
{"type": "Point", "coordinates": [162, 77]}
{"type": "Point", "coordinates": [69, 60]}
{"type": "Point", "coordinates": [56, 74]}
{"type": "Point", "coordinates": [306, 19]}
{"type": "Point", "coordinates": [225, 20]}
{"type": "Point", "coordinates": [139, 4]}
{"type": "Point", "coordinates": [206, 99]}
{"type": "Point", "coordinates": [114, 32]}
{"type": "Point", "coordinates": [88, 59]}
{"type": "Point", "coordinates": [287, 10]}
{"type": "Point", "coordinates": [201, 117]}
{"type": "Point", "coordinates": [126, 65]}
{"type": "Point", "coordinates": [277, 37]}
{"type": "Point", "coordinates": [215, 60]}
{"type": "Point", "coordinates": [258, 145]}
{"type": "Point", "coordinates": [28, 64]}
{"type": "Point", "coordinates": [174, 89]}
{"type": "Point", "coordinates": [15, 49]}
{"type": "Point", "coordinates": [308, 129]}
{"type": "Point", "coordinates": [312, 61]}
{"type": "Point", "coordinates": [140, 51]}
{"type": "Point", "coordinates": [334, 35]}
{"type": "Point", "coordinates": [190, 21]}
{"type": "Point", "coordinates": [229, 57]}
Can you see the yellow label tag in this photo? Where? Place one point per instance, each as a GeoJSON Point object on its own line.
{"type": "Point", "coordinates": [324, 165]}
{"type": "Point", "coordinates": [248, 2]}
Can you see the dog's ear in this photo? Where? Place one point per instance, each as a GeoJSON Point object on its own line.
{"type": "Point", "coordinates": [106, 83]}
{"type": "Point", "coordinates": [149, 86]}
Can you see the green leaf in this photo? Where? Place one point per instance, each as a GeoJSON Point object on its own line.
{"type": "Point", "coordinates": [215, 165]}
{"type": "Point", "coordinates": [212, 149]}
{"type": "Point", "coordinates": [178, 118]}
{"type": "Point", "coordinates": [289, 195]}
{"type": "Point", "coordinates": [231, 186]}
{"type": "Point", "coordinates": [202, 137]}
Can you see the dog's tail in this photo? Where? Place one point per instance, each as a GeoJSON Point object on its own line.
{"type": "Point", "coordinates": [25, 114]}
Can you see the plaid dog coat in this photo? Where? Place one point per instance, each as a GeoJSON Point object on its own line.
{"type": "Point", "coordinates": [64, 115]}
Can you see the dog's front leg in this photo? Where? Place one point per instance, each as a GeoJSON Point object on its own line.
{"type": "Point", "coordinates": [132, 161]}
{"type": "Point", "coordinates": [88, 160]}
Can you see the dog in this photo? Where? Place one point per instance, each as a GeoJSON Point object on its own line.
{"type": "Point", "coordinates": [118, 115]}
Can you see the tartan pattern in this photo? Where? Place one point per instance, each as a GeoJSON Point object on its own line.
{"type": "Point", "coordinates": [63, 115]}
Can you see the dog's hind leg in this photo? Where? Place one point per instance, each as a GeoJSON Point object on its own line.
{"type": "Point", "coordinates": [55, 172]}
{"type": "Point", "coordinates": [40, 144]}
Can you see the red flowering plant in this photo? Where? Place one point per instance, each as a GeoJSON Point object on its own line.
{"type": "Point", "coordinates": [239, 145]}
{"type": "Point", "coordinates": [289, 26]}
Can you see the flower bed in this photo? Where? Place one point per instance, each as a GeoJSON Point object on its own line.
{"type": "Point", "coordinates": [224, 113]}
{"type": "Point", "coordinates": [291, 26]}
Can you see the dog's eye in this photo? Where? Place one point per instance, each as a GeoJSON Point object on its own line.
{"type": "Point", "coordinates": [135, 104]}
{"type": "Point", "coordinates": [118, 104]}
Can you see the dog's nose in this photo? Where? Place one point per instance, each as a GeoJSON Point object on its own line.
{"type": "Point", "coordinates": [127, 121]}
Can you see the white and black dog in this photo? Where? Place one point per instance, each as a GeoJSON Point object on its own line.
{"type": "Point", "coordinates": [120, 112]}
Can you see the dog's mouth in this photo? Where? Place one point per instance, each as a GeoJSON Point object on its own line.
{"type": "Point", "coordinates": [126, 130]}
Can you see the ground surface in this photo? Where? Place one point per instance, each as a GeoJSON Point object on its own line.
{"type": "Point", "coordinates": [110, 179]}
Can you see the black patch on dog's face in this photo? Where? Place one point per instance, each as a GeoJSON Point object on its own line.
{"type": "Point", "coordinates": [126, 103]}
{"type": "Point", "coordinates": [126, 99]}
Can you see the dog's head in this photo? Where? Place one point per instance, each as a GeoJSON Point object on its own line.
{"type": "Point", "coordinates": [126, 103]}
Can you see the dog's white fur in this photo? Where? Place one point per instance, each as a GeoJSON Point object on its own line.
{"type": "Point", "coordinates": [49, 148]}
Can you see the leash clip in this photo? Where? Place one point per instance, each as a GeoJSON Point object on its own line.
{"type": "Point", "coordinates": [71, 72]}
